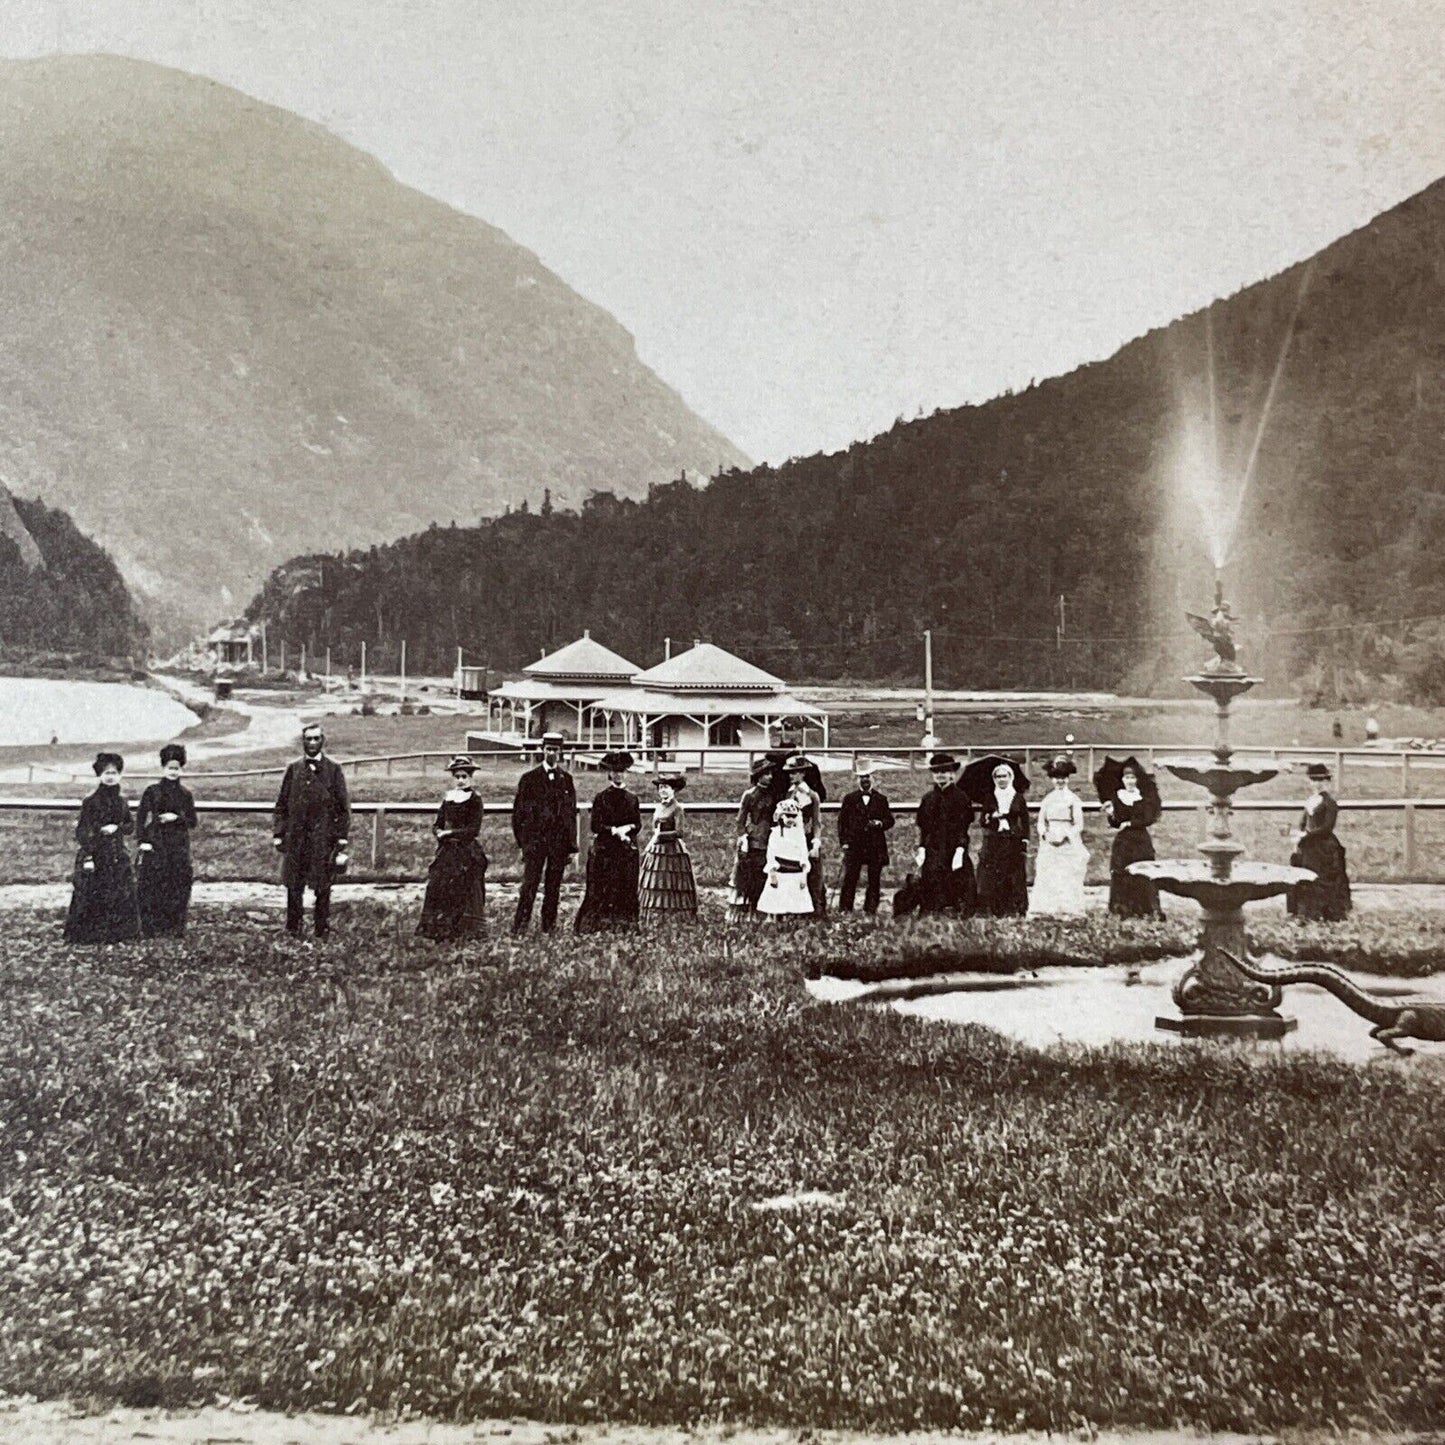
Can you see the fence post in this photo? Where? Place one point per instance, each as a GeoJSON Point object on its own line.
{"type": "Point", "coordinates": [378, 838]}
{"type": "Point", "coordinates": [1405, 786]}
{"type": "Point", "coordinates": [1409, 840]}
{"type": "Point", "coordinates": [1340, 769]}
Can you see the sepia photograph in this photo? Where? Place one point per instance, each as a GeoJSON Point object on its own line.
{"type": "Point", "coordinates": [722, 720]}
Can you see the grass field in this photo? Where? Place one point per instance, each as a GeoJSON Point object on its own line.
{"type": "Point", "coordinates": [531, 1179]}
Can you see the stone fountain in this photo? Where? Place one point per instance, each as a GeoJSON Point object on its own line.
{"type": "Point", "coordinates": [1213, 997]}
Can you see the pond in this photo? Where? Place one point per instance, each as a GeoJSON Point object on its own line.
{"type": "Point", "coordinates": [35, 710]}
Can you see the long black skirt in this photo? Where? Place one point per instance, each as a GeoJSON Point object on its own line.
{"type": "Point", "coordinates": [1003, 885]}
{"type": "Point", "coordinates": [103, 904]}
{"type": "Point", "coordinates": [611, 897]}
{"type": "Point", "coordinates": [942, 889]}
{"type": "Point", "coordinates": [456, 893]}
{"type": "Point", "coordinates": [1131, 897]}
{"type": "Point", "coordinates": [1328, 899]}
{"type": "Point", "coordinates": [163, 891]}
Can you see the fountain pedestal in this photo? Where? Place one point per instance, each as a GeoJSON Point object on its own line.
{"type": "Point", "coordinates": [1215, 1000]}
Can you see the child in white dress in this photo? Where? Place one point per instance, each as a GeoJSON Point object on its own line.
{"type": "Point", "coordinates": [786, 890]}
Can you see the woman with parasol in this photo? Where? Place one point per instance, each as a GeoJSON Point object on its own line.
{"type": "Point", "coordinates": [1063, 859]}
{"type": "Point", "coordinates": [1131, 804]}
{"type": "Point", "coordinates": [996, 785]}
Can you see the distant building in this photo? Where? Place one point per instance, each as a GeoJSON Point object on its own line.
{"type": "Point", "coordinates": [233, 644]}
{"type": "Point", "coordinates": [557, 693]}
{"type": "Point", "coordinates": [704, 697]}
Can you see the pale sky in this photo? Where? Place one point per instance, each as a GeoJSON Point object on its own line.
{"type": "Point", "coordinates": [816, 216]}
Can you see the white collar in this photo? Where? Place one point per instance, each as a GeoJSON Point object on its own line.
{"type": "Point", "coordinates": [458, 795]}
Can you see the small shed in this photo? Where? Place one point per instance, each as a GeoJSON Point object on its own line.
{"type": "Point", "coordinates": [705, 697]}
{"type": "Point", "coordinates": [557, 693]}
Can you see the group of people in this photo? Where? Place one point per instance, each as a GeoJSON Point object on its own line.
{"type": "Point", "coordinates": [777, 872]}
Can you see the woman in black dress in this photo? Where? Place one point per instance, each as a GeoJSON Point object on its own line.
{"type": "Point", "coordinates": [163, 824]}
{"type": "Point", "coordinates": [1133, 809]}
{"type": "Point", "coordinates": [102, 903]}
{"type": "Point", "coordinates": [616, 818]}
{"type": "Point", "coordinates": [1003, 887]}
{"type": "Point", "coordinates": [456, 894]}
{"type": "Point", "coordinates": [1317, 848]}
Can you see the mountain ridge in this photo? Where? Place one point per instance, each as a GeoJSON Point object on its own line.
{"type": "Point", "coordinates": [228, 335]}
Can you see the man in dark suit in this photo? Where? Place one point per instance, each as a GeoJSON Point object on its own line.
{"type": "Point", "coordinates": [945, 882]}
{"type": "Point", "coordinates": [863, 824]}
{"type": "Point", "coordinates": [309, 830]}
{"type": "Point", "coordinates": [544, 823]}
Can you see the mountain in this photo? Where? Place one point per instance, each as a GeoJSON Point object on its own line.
{"type": "Point", "coordinates": [226, 336]}
{"type": "Point", "coordinates": [1048, 538]}
{"type": "Point", "coordinates": [59, 592]}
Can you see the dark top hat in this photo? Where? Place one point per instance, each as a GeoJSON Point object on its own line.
{"type": "Point", "coordinates": [1317, 773]}
{"type": "Point", "coordinates": [943, 763]}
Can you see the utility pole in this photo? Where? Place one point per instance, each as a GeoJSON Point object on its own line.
{"type": "Point", "coordinates": [363, 667]}
{"type": "Point", "coordinates": [459, 674]}
{"type": "Point", "coordinates": [328, 667]}
{"type": "Point", "coordinates": [283, 654]}
{"type": "Point", "coordinates": [301, 676]}
{"type": "Point", "coordinates": [928, 686]}
{"type": "Point", "coordinates": [264, 662]}
{"type": "Point", "coordinates": [1059, 630]}
{"type": "Point", "coordinates": [403, 669]}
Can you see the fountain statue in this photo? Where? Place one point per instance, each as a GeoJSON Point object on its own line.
{"type": "Point", "coordinates": [1214, 997]}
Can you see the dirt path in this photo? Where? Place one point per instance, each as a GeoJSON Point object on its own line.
{"type": "Point", "coordinates": [56, 1424]}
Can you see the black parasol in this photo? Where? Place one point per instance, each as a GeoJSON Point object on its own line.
{"type": "Point", "coordinates": [977, 778]}
{"type": "Point", "coordinates": [1109, 778]}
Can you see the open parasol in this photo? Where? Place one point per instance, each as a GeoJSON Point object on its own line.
{"type": "Point", "coordinates": [1109, 778]}
{"type": "Point", "coordinates": [977, 778]}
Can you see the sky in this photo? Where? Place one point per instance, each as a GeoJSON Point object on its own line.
{"type": "Point", "coordinates": [817, 216]}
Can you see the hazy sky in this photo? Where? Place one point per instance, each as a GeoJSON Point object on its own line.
{"type": "Point", "coordinates": [818, 215]}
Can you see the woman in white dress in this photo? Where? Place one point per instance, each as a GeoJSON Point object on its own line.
{"type": "Point", "coordinates": [785, 893]}
{"type": "Point", "coordinates": [1063, 860]}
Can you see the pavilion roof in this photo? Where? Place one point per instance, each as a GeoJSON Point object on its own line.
{"type": "Point", "coordinates": [706, 668]}
{"type": "Point", "coordinates": [659, 702]}
{"type": "Point", "coordinates": [581, 659]}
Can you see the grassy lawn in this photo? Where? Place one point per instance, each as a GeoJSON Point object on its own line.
{"type": "Point", "coordinates": [525, 1179]}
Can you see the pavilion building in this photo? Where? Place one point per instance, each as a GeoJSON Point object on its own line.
{"type": "Point", "coordinates": [704, 697]}
{"type": "Point", "coordinates": [557, 694]}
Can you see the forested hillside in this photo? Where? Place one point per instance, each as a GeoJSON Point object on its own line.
{"type": "Point", "coordinates": [59, 592]}
{"type": "Point", "coordinates": [977, 521]}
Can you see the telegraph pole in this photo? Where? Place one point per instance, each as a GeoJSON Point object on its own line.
{"type": "Point", "coordinates": [928, 684]}
{"type": "Point", "coordinates": [403, 669]}
{"type": "Point", "coordinates": [363, 667]}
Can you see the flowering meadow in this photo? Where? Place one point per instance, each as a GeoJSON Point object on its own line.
{"type": "Point", "coordinates": [651, 1180]}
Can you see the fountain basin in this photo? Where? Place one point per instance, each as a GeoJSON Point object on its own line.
{"type": "Point", "coordinates": [1247, 883]}
{"type": "Point", "coordinates": [1222, 780]}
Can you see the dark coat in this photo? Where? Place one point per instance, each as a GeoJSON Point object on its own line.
{"type": "Point", "coordinates": [103, 903]}
{"type": "Point", "coordinates": [612, 863]}
{"type": "Point", "coordinates": [863, 824]}
{"type": "Point", "coordinates": [944, 818]}
{"type": "Point", "coordinates": [163, 876]}
{"type": "Point", "coordinates": [313, 816]}
{"type": "Point", "coordinates": [544, 814]}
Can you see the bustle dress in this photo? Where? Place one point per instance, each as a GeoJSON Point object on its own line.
{"type": "Point", "coordinates": [1062, 859]}
{"type": "Point", "coordinates": [103, 905]}
{"type": "Point", "coordinates": [163, 869]}
{"type": "Point", "coordinates": [1003, 886]}
{"type": "Point", "coordinates": [1131, 897]}
{"type": "Point", "coordinates": [612, 864]}
{"type": "Point", "coordinates": [666, 887]}
{"type": "Point", "coordinates": [456, 892]}
{"type": "Point", "coordinates": [1327, 899]}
